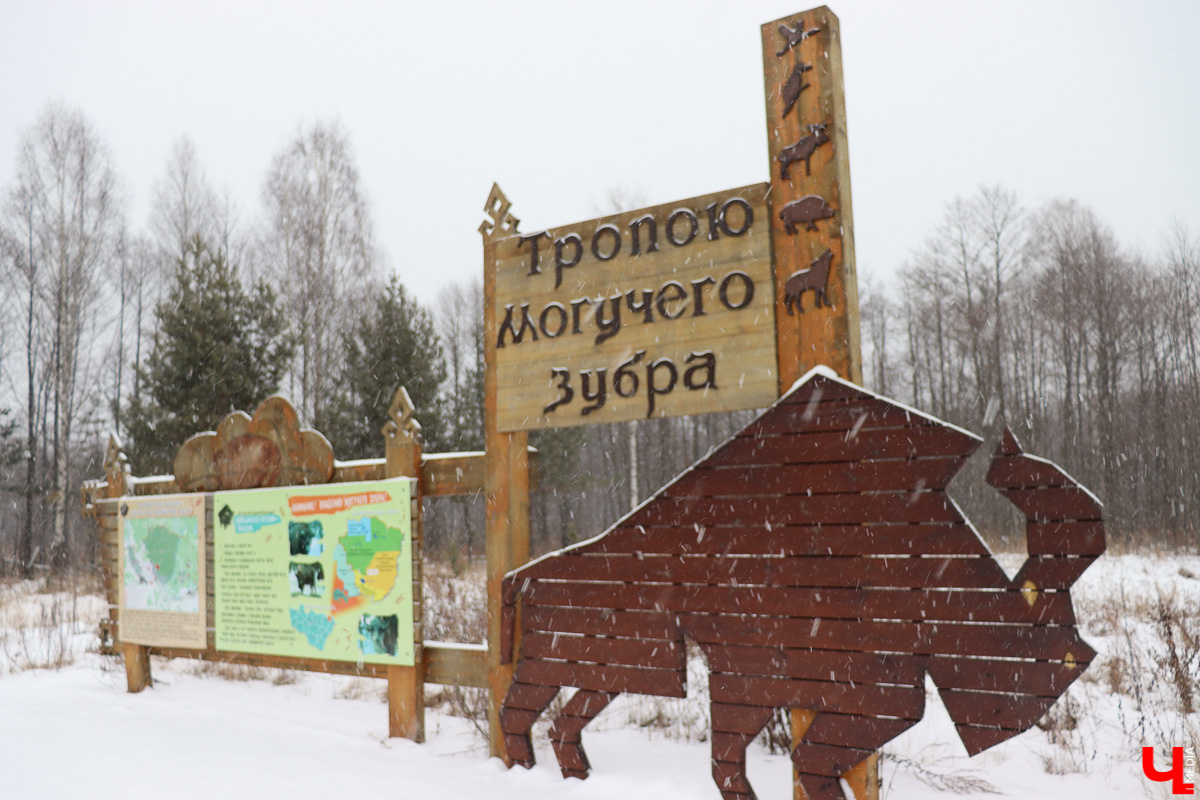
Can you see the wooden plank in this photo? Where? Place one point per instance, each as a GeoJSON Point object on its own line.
{"type": "Point", "coordinates": [850, 635]}
{"type": "Point", "coordinates": [835, 603]}
{"type": "Point", "coordinates": [602, 678]}
{"type": "Point", "coordinates": [818, 665]}
{"type": "Point", "coordinates": [1023, 472]}
{"type": "Point", "coordinates": [1057, 504]}
{"type": "Point", "coordinates": [861, 412]}
{"type": "Point", "coordinates": [688, 313]}
{"type": "Point", "coordinates": [832, 571]}
{"type": "Point", "coordinates": [793, 540]}
{"type": "Point", "coordinates": [844, 730]}
{"type": "Point", "coordinates": [275, 662]}
{"type": "Point", "coordinates": [367, 469]}
{"type": "Point", "coordinates": [832, 509]}
{"type": "Point", "coordinates": [739, 717]}
{"type": "Point", "coordinates": [832, 478]}
{"type": "Point", "coordinates": [1043, 643]}
{"type": "Point", "coordinates": [599, 622]}
{"type": "Point", "coordinates": [651, 654]}
{"type": "Point", "coordinates": [1065, 538]}
{"type": "Point", "coordinates": [1043, 678]}
{"type": "Point", "coordinates": [840, 698]}
{"type": "Point", "coordinates": [824, 447]}
{"type": "Point", "coordinates": [453, 474]}
{"type": "Point", "coordinates": [1013, 711]}
{"type": "Point", "coordinates": [1050, 572]}
{"type": "Point", "coordinates": [455, 666]}
{"type": "Point", "coordinates": [977, 739]}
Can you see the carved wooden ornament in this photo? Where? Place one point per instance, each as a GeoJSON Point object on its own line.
{"type": "Point", "coordinates": [268, 449]}
{"type": "Point", "coordinates": [818, 562]}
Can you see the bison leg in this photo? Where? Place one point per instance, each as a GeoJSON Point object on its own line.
{"type": "Point", "coordinates": [566, 734]}
{"type": "Point", "coordinates": [825, 754]}
{"type": "Point", "coordinates": [733, 728]}
{"type": "Point", "coordinates": [523, 704]}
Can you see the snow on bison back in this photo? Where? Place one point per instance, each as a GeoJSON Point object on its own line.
{"type": "Point", "coordinates": [818, 562]}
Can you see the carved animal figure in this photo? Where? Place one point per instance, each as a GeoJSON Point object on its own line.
{"type": "Point", "coordinates": [793, 87]}
{"type": "Point", "coordinates": [307, 576]}
{"type": "Point", "coordinates": [818, 562]}
{"type": "Point", "coordinates": [803, 150]}
{"type": "Point", "coordinates": [806, 210]}
{"type": "Point", "coordinates": [794, 36]}
{"type": "Point", "coordinates": [814, 278]}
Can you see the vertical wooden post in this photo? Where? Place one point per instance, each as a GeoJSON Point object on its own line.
{"type": "Point", "coordinates": [137, 656]}
{"type": "Point", "coordinates": [812, 227]}
{"type": "Point", "coordinates": [406, 685]}
{"type": "Point", "coordinates": [507, 482]}
{"type": "Point", "coordinates": [806, 112]}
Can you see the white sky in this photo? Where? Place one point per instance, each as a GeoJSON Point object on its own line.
{"type": "Point", "coordinates": [563, 102]}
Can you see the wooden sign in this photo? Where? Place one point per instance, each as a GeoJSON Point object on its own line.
{"type": "Point", "coordinates": [817, 560]}
{"type": "Point", "coordinates": [658, 312]}
{"type": "Point", "coordinates": [812, 227]}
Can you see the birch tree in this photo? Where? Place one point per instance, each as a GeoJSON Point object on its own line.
{"type": "Point", "coordinates": [320, 252]}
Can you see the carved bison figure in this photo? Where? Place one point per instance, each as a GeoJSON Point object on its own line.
{"type": "Point", "coordinates": [819, 564]}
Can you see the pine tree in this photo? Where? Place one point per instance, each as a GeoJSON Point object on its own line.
{"type": "Point", "coordinates": [394, 344]}
{"type": "Point", "coordinates": [217, 349]}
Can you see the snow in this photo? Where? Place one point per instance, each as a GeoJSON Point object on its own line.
{"type": "Point", "coordinates": [75, 732]}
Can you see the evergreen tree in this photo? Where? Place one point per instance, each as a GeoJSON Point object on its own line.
{"type": "Point", "coordinates": [217, 349]}
{"type": "Point", "coordinates": [394, 344]}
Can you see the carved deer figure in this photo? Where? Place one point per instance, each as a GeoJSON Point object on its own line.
{"type": "Point", "coordinates": [819, 564]}
{"type": "Point", "coordinates": [803, 150]}
{"type": "Point", "coordinates": [814, 278]}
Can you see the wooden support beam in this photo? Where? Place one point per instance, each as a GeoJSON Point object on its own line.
{"type": "Point", "coordinates": [816, 284]}
{"type": "Point", "coordinates": [507, 476]}
{"type": "Point", "coordinates": [137, 667]}
{"type": "Point", "coordinates": [456, 664]}
{"type": "Point", "coordinates": [406, 685]}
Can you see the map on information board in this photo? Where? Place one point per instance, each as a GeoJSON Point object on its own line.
{"type": "Point", "coordinates": [316, 571]}
{"type": "Point", "coordinates": [162, 571]}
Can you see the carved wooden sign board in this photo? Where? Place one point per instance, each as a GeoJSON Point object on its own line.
{"type": "Point", "coordinates": [818, 562]}
{"type": "Point", "coordinates": [698, 305]}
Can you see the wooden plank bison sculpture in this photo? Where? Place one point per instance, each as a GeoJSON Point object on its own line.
{"type": "Point", "coordinates": [818, 562]}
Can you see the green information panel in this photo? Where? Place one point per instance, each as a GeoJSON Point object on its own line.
{"type": "Point", "coordinates": [316, 571]}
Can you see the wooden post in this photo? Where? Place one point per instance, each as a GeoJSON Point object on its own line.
{"type": "Point", "coordinates": [406, 685]}
{"type": "Point", "coordinates": [812, 229]}
{"type": "Point", "coordinates": [137, 656]}
{"type": "Point", "coordinates": [810, 207]}
{"type": "Point", "coordinates": [507, 482]}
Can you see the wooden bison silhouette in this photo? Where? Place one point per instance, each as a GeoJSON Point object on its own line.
{"type": "Point", "coordinates": [818, 562]}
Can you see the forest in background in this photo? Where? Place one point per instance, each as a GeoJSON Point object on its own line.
{"type": "Point", "coordinates": [1032, 317]}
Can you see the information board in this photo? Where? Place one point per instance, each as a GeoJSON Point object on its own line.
{"type": "Point", "coordinates": [162, 588]}
{"type": "Point", "coordinates": [316, 571]}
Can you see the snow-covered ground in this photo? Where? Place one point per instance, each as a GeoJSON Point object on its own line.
{"type": "Point", "coordinates": [73, 731]}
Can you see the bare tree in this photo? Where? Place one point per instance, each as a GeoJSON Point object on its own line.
{"type": "Point", "coordinates": [319, 250]}
{"type": "Point", "coordinates": [65, 199]}
{"type": "Point", "coordinates": [185, 206]}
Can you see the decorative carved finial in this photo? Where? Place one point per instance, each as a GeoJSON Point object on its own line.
{"type": "Point", "coordinates": [116, 466]}
{"type": "Point", "coordinates": [500, 222]}
{"type": "Point", "coordinates": [401, 422]}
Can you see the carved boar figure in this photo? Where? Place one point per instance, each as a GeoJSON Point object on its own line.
{"type": "Point", "coordinates": [819, 564]}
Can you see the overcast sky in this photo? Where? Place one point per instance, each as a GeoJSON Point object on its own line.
{"type": "Point", "coordinates": [562, 103]}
